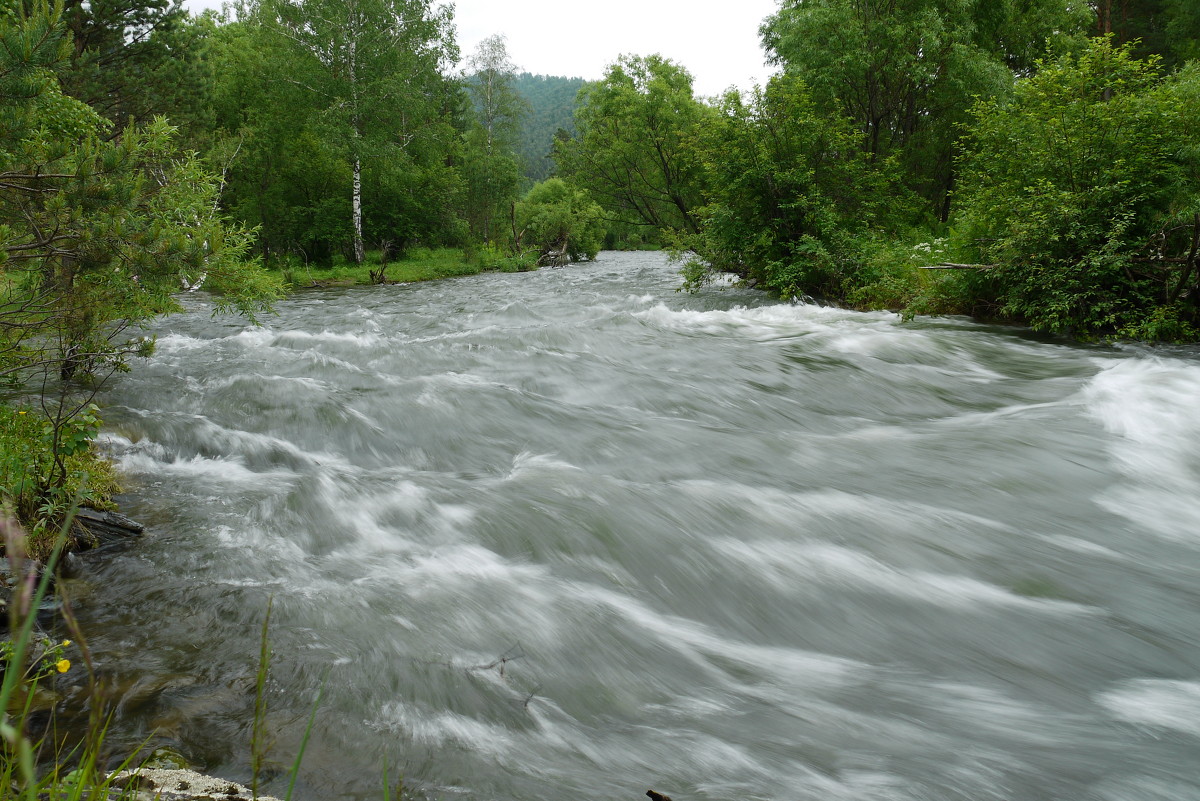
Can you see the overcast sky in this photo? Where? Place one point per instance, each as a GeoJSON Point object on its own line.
{"type": "Point", "coordinates": [716, 40]}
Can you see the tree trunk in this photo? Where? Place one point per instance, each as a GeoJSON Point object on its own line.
{"type": "Point", "coordinates": [1104, 17]}
{"type": "Point", "coordinates": [359, 251]}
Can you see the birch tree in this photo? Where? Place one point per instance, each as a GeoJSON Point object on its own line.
{"type": "Point", "coordinates": [490, 165]}
{"type": "Point", "coordinates": [372, 70]}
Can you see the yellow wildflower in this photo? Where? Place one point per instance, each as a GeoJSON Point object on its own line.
{"type": "Point", "coordinates": [63, 665]}
{"type": "Point", "coordinates": [66, 643]}
{"type": "Point", "coordinates": [21, 412]}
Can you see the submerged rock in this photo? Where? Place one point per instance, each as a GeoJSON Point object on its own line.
{"type": "Point", "coordinates": [166, 759]}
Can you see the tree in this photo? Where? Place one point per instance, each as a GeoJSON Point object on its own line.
{"type": "Point", "coordinates": [282, 176]}
{"type": "Point", "coordinates": [133, 60]}
{"type": "Point", "coordinates": [1169, 29]}
{"type": "Point", "coordinates": [788, 191]}
{"type": "Point", "coordinates": [1182, 30]}
{"type": "Point", "coordinates": [372, 71]}
{"type": "Point", "coordinates": [905, 72]}
{"type": "Point", "coordinates": [97, 232]}
{"type": "Point", "coordinates": [634, 148]}
{"type": "Point", "coordinates": [1083, 192]}
{"type": "Point", "coordinates": [490, 164]}
{"type": "Point", "coordinates": [560, 221]}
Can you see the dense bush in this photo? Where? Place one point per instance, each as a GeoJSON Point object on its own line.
{"type": "Point", "coordinates": [556, 218]}
{"type": "Point", "coordinates": [1083, 191]}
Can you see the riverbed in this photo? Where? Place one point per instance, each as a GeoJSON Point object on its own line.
{"type": "Point", "coordinates": [575, 534]}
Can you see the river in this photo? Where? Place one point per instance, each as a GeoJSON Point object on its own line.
{"type": "Point", "coordinates": [574, 534]}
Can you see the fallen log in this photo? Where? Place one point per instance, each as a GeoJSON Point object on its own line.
{"type": "Point", "coordinates": [96, 529]}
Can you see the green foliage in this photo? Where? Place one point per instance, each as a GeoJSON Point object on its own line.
{"type": "Point", "coordinates": [1084, 191]}
{"type": "Point", "coordinates": [29, 661]}
{"type": "Point", "coordinates": [1181, 29]}
{"type": "Point", "coordinates": [336, 125]}
{"type": "Point", "coordinates": [134, 60]}
{"type": "Point", "coordinates": [417, 264]}
{"type": "Point", "coordinates": [788, 191]}
{"type": "Point", "coordinates": [98, 232]}
{"type": "Point", "coordinates": [45, 469]}
{"type": "Point", "coordinates": [1169, 29]}
{"type": "Point", "coordinates": [18, 682]}
{"type": "Point", "coordinates": [99, 238]}
{"type": "Point", "coordinates": [904, 72]}
{"type": "Point", "coordinates": [557, 220]}
{"type": "Point", "coordinates": [490, 257]}
{"type": "Point", "coordinates": [635, 147]}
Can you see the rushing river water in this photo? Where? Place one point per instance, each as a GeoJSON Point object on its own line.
{"type": "Point", "coordinates": [571, 534]}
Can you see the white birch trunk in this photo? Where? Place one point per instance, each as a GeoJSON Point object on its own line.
{"type": "Point", "coordinates": [356, 201]}
{"type": "Point", "coordinates": [356, 205]}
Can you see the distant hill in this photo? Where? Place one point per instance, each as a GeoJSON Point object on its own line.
{"type": "Point", "coordinates": [552, 106]}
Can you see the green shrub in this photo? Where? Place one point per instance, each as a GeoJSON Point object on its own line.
{"type": "Point", "coordinates": [1083, 191]}
{"type": "Point", "coordinates": [39, 489]}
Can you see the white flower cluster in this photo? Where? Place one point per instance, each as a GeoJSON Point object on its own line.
{"type": "Point", "coordinates": [924, 250]}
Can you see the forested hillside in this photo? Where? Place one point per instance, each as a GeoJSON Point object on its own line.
{"type": "Point", "coordinates": [551, 102]}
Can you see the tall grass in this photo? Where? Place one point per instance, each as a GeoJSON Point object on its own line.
{"type": "Point", "coordinates": [29, 659]}
{"type": "Point", "coordinates": [36, 767]}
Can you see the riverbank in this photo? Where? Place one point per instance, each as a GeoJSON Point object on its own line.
{"type": "Point", "coordinates": [418, 264]}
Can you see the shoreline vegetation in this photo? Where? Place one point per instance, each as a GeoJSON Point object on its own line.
{"type": "Point", "coordinates": [419, 264]}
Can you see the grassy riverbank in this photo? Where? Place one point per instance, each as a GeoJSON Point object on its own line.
{"type": "Point", "coordinates": [418, 264]}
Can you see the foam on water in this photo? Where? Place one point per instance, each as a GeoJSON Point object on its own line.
{"type": "Point", "coordinates": [177, 343]}
{"type": "Point", "coordinates": [799, 569]}
{"type": "Point", "coordinates": [1157, 703]}
{"type": "Point", "coordinates": [299, 382]}
{"type": "Point", "coordinates": [186, 433]}
{"type": "Point", "coordinates": [305, 338]}
{"type": "Point", "coordinates": [1148, 405]}
{"type": "Point", "coordinates": [770, 322]}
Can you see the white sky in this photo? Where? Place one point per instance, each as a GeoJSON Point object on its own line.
{"type": "Point", "coordinates": [716, 40]}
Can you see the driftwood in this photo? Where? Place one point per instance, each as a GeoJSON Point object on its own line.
{"type": "Point", "coordinates": [557, 254]}
{"type": "Point", "coordinates": [99, 529]}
